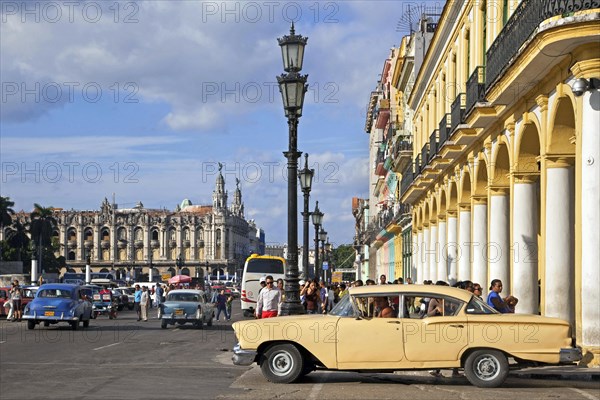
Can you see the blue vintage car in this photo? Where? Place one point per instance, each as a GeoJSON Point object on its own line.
{"type": "Point", "coordinates": [186, 305]}
{"type": "Point", "coordinates": [58, 302]}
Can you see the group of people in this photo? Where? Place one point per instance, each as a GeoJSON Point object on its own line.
{"type": "Point", "coordinates": [13, 304]}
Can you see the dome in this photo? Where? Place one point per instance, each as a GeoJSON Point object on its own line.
{"type": "Point", "coordinates": [185, 203]}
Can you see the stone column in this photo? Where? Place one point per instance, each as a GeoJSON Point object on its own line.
{"type": "Point", "coordinates": [442, 255]}
{"type": "Point", "coordinates": [525, 249]}
{"type": "Point", "coordinates": [424, 254]}
{"type": "Point", "coordinates": [414, 252]}
{"type": "Point", "coordinates": [560, 240]}
{"type": "Point", "coordinates": [590, 220]}
{"type": "Point", "coordinates": [499, 245]}
{"type": "Point", "coordinates": [464, 240]}
{"type": "Point", "coordinates": [452, 247]}
{"type": "Point", "coordinates": [433, 251]}
{"type": "Point", "coordinates": [479, 245]}
{"type": "Point", "coordinates": [418, 260]}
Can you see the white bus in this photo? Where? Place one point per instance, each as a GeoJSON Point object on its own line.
{"type": "Point", "coordinates": [257, 267]}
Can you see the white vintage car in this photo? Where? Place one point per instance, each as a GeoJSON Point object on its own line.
{"type": "Point", "coordinates": [186, 305]}
{"type": "Point", "coordinates": [354, 336]}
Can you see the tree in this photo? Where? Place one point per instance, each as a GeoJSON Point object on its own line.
{"type": "Point", "coordinates": [17, 239]}
{"type": "Point", "coordinates": [6, 211]}
{"type": "Point", "coordinates": [42, 227]}
{"type": "Point", "coordinates": [343, 256]}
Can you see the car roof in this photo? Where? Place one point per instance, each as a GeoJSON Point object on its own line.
{"type": "Point", "coordinates": [195, 291]}
{"type": "Point", "coordinates": [427, 289]}
{"type": "Point", "coordinates": [58, 286]}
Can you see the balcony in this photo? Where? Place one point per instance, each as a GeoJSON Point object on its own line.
{"type": "Point", "coordinates": [526, 18]}
{"type": "Point", "coordinates": [105, 244]}
{"type": "Point", "coordinates": [402, 153]}
{"type": "Point", "coordinates": [446, 148]}
{"type": "Point", "coordinates": [424, 157]}
{"type": "Point", "coordinates": [201, 243]}
{"type": "Point", "coordinates": [408, 176]}
{"type": "Point", "coordinates": [434, 141]}
{"type": "Point", "coordinates": [475, 88]}
{"type": "Point", "coordinates": [379, 167]}
{"type": "Point", "coordinates": [383, 114]}
{"type": "Point", "coordinates": [457, 111]}
{"type": "Point", "coordinates": [155, 244]}
{"type": "Point", "coordinates": [138, 244]}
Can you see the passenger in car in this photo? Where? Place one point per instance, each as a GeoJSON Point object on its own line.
{"type": "Point", "coordinates": [383, 307]}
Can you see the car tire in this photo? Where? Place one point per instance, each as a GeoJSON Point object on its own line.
{"type": "Point", "coordinates": [46, 323]}
{"type": "Point", "coordinates": [30, 324]}
{"type": "Point", "coordinates": [282, 363]}
{"type": "Point", "coordinates": [486, 368]}
{"type": "Point", "coordinates": [86, 323]}
{"type": "Point", "coordinates": [74, 325]}
{"type": "Point", "coordinates": [163, 324]}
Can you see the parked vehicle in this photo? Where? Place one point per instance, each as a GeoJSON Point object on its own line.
{"type": "Point", "coordinates": [186, 305]}
{"type": "Point", "coordinates": [465, 333]}
{"type": "Point", "coordinates": [255, 268]}
{"type": "Point", "coordinates": [58, 302]}
{"type": "Point", "coordinates": [130, 293]}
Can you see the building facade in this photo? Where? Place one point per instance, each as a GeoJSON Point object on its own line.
{"type": "Point", "coordinates": [503, 177]}
{"type": "Point", "coordinates": [203, 239]}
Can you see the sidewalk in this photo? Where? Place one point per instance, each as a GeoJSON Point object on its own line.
{"type": "Point", "coordinates": [567, 372]}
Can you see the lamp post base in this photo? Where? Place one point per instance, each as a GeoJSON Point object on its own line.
{"type": "Point", "coordinates": [292, 308]}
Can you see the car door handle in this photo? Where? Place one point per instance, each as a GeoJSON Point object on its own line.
{"type": "Point", "coordinates": [393, 322]}
{"type": "Point", "coordinates": [457, 326]}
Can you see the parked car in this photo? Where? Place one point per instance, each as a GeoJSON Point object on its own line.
{"type": "Point", "coordinates": [122, 299]}
{"type": "Point", "coordinates": [186, 305]}
{"type": "Point", "coordinates": [4, 296]}
{"type": "Point", "coordinates": [467, 334]}
{"type": "Point", "coordinates": [58, 302]}
{"type": "Point", "coordinates": [129, 291]}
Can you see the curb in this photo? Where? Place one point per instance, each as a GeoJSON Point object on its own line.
{"type": "Point", "coordinates": [565, 373]}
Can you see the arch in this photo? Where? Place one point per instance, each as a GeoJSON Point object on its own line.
{"type": "Point", "coordinates": [480, 178]}
{"type": "Point", "coordinates": [185, 271]}
{"type": "Point", "coordinates": [72, 234]}
{"type": "Point", "coordinates": [453, 196]}
{"type": "Point", "coordinates": [88, 234]}
{"type": "Point", "coordinates": [138, 233]}
{"type": "Point", "coordinates": [71, 256]}
{"type": "Point", "coordinates": [104, 270]}
{"type": "Point", "coordinates": [528, 147]}
{"type": "Point", "coordinates": [562, 128]}
{"type": "Point", "coordinates": [465, 189]}
{"type": "Point", "coordinates": [426, 214]}
{"type": "Point", "coordinates": [122, 234]}
{"type": "Point", "coordinates": [443, 201]}
{"type": "Point", "coordinates": [154, 234]}
{"type": "Point", "coordinates": [172, 233]}
{"type": "Point", "coordinates": [105, 234]}
{"type": "Point", "coordinates": [500, 168]}
{"type": "Point", "coordinates": [434, 213]}
{"type": "Point", "coordinates": [186, 233]}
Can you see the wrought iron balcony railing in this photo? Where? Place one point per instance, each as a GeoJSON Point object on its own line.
{"type": "Point", "coordinates": [434, 141]}
{"type": "Point", "coordinates": [475, 88]}
{"type": "Point", "coordinates": [445, 129]}
{"type": "Point", "coordinates": [457, 111]}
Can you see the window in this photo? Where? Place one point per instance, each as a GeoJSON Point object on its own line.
{"type": "Point", "coordinates": [416, 305]}
{"type": "Point", "coordinates": [373, 306]}
{"type": "Point", "coordinates": [344, 308]}
{"type": "Point", "coordinates": [477, 306]}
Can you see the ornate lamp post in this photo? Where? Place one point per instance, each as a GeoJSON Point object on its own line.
{"type": "Point", "coordinates": [150, 272]}
{"type": "Point", "coordinates": [178, 264]}
{"type": "Point", "coordinates": [317, 220]}
{"type": "Point", "coordinates": [328, 249]}
{"type": "Point", "coordinates": [292, 86]}
{"type": "Point", "coordinates": [323, 239]}
{"type": "Point", "coordinates": [306, 177]}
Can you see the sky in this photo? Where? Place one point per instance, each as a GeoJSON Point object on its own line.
{"type": "Point", "coordinates": [142, 99]}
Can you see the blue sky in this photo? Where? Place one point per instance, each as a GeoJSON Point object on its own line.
{"type": "Point", "coordinates": [142, 99]}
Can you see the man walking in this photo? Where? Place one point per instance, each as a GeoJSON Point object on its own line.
{"type": "Point", "coordinates": [144, 304]}
{"type": "Point", "coordinates": [158, 295]}
{"type": "Point", "coordinates": [268, 300]}
{"type": "Point", "coordinates": [137, 298]}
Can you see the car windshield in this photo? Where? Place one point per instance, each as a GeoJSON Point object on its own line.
{"type": "Point", "coordinates": [478, 306]}
{"type": "Point", "coordinates": [183, 297]}
{"type": "Point", "coordinates": [343, 308]}
{"type": "Point", "coordinates": [62, 293]}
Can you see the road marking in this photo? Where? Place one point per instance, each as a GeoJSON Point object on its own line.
{"type": "Point", "coordinates": [316, 389]}
{"type": "Point", "coordinates": [3, 341]}
{"type": "Point", "coordinates": [585, 394]}
{"type": "Point", "coordinates": [108, 345]}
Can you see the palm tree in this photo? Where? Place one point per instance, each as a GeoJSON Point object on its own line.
{"type": "Point", "coordinates": [42, 226]}
{"type": "Point", "coordinates": [17, 238]}
{"type": "Point", "coordinates": [6, 211]}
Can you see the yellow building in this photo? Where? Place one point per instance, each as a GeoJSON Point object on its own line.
{"type": "Point", "coordinates": [505, 179]}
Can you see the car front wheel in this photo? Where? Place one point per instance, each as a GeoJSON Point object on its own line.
{"type": "Point", "coordinates": [486, 368]}
{"type": "Point", "coordinates": [30, 324]}
{"type": "Point", "coordinates": [282, 363]}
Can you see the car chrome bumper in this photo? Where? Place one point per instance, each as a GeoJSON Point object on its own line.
{"type": "Point", "coordinates": [243, 357]}
{"type": "Point", "coordinates": [570, 355]}
{"type": "Point", "coordinates": [48, 318]}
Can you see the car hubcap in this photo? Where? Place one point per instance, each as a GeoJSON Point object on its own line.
{"type": "Point", "coordinates": [487, 367]}
{"type": "Point", "coordinates": [282, 363]}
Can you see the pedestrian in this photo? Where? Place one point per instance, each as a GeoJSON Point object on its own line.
{"type": "Point", "coordinates": [16, 295]}
{"type": "Point", "coordinates": [323, 297]}
{"type": "Point", "coordinates": [268, 300]}
{"type": "Point", "coordinates": [221, 304]}
{"type": "Point", "coordinates": [311, 297]}
{"type": "Point", "coordinates": [9, 309]}
{"type": "Point", "coordinates": [330, 298]}
{"type": "Point", "coordinates": [382, 280]}
{"type": "Point", "coordinates": [144, 304]}
{"type": "Point", "coordinates": [228, 305]}
{"type": "Point", "coordinates": [159, 298]}
{"type": "Point", "coordinates": [137, 298]}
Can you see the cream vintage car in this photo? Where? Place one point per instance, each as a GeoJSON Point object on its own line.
{"type": "Point", "coordinates": [468, 334]}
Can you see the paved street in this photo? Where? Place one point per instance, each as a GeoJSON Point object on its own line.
{"type": "Point", "coordinates": [126, 359]}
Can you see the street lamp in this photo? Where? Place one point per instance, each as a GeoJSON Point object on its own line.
{"type": "Point", "coordinates": [328, 249]}
{"type": "Point", "coordinates": [317, 220]}
{"type": "Point", "coordinates": [293, 87]}
{"type": "Point", "coordinates": [322, 238]}
{"type": "Point", "coordinates": [306, 177]}
{"type": "Point", "coordinates": [178, 264]}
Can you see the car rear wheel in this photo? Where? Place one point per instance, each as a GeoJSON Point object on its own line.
{"type": "Point", "coordinates": [282, 363]}
{"type": "Point", "coordinates": [30, 324]}
{"type": "Point", "coordinates": [75, 325]}
{"type": "Point", "coordinates": [86, 323]}
{"type": "Point", "coordinates": [163, 324]}
{"type": "Point", "coordinates": [486, 368]}
{"type": "Point", "coordinates": [46, 323]}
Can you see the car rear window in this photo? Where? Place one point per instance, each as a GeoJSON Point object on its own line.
{"type": "Point", "coordinates": [265, 266]}
{"type": "Point", "coordinates": [55, 293]}
{"type": "Point", "coordinates": [184, 297]}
